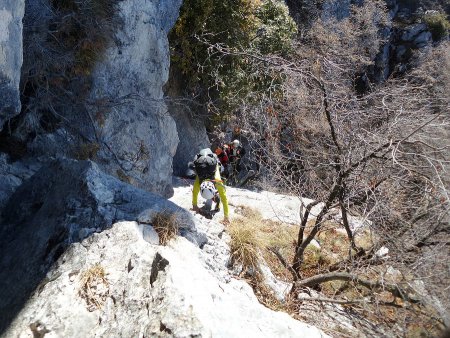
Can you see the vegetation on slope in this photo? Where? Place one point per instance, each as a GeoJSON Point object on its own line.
{"type": "Point", "coordinates": [208, 40]}
{"type": "Point", "coordinates": [256, 241]}
{"type": "Point", "coordinates": [378, 154]}
{"type": "Point", "coordinates": [63, 40]}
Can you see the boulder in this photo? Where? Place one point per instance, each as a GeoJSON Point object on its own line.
{"type": "Point", "coordinates": [58, 144]}
{"type": "Point", "coordinates": [11, 14]}
{"type": "Point", "coordinates": [115, 283]}
{"type": "Point", "coordinates": [411, 32]}
{"type": "Point", "coordinates": [64, 202]}
{"type": "Point", "coordinates": [423, 39]}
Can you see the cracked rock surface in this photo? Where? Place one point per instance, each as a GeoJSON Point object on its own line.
{"type": "Point", "coordinates": [98, 272]}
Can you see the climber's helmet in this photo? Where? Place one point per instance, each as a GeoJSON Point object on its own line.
{"type": "Point", "coordinates": [207, 190]}
{"type": "Point", "coordinates": [235, 143]}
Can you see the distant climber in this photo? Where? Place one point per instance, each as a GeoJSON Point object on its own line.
{"type": "Point", "coordinates": [207, 175]}
{"type": "Point", "coordinates": [223, 158]}
{"type": "Point", "coordinates": [235, 153]}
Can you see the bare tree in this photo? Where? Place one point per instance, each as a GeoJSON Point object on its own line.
{"type": "Point", "coordinates": [380, 156]}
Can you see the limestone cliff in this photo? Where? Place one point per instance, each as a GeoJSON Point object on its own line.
{"type": "Point", "coordinates": [138, 136]}
{"type": "Point", "coordinates": [98, 97]}
{"type": "Point", "coordinates": [11, 14]}
{"type": "Point", "coordinates": [81, 259]}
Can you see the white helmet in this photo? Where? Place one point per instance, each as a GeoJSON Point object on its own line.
{"type": "Point", "coordinates": [236, 143]}
{"type": "Point", "coordinates": [208, 190]}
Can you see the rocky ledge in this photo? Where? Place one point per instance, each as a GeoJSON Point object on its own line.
{"type": "Point", "coordinates": [80, 258]}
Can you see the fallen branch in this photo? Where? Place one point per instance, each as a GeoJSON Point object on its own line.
{"type": "Point", "coordinates": [280, 257]}
{"type": "Point", "coordinates": [331, 300]}
{"type": "Point", "coordinates": [394, 289]}
{"type": "Point", "coordinates": [361, 259]}
{"type": "Point", "coordinates": [365, 301]}
{"type": "Point", "coordinates": [350, 301]}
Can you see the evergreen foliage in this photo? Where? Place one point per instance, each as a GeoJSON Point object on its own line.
{"type": "Point", "coordinates": [437, 24]}
{"type": "Point", "coordinates": [207, 28]}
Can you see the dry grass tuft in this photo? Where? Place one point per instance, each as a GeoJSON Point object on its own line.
{"type": "Point", "coordinates": [122, 176]}
{"type": "Point", "coordinates": [252, 237]}
{"type": "Point", "coordinates": [249, 213]}
{"type": "Point", "coordinates": [166, 224]}
{"type": "Point", "coordinates": [94, 287]}
{"type": "Point", "coordinates": [86, 151]}
{"type": "Point", "coordinates": [245, 243]}
{"type": "Point", "coordinates": [251, 240]}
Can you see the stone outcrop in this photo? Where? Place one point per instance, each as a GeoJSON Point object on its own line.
{"type": "Point", "coordinates": [11, 14]}
{"type": "Point", "coordinates": [417, 35]}
{"type": "Point", "coordinates": [63, 203]}
{"type": "Point", "coordinates": [147, 291]}
{"type": "Point", "coordinates": [80, 259]}
{"type": "Point", "coordinates": [139, 138]}
{"type": "Point", "coordinates": [114, 112]}
{"type": "Point", "coordinates": [12, 176]}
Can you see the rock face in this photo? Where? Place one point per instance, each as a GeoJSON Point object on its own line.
{"type": "Point", "coordinates": [140, 137]}
{"type": "Point", "coordinates": [12, 175]}
{"type": "Point", "coordinates": [191, 129]}
{"type": "Point", "coordinates": [63, 203]}
{"type": "Point", "coordinates": [66, 272]}
{"type": "Point", "coordinates": [148, 291]}
{"type": "Point", "coordinates": [416, 35]}
{"type": "Point", "coordinates": [11, 14]}
{"type": "Point", "coordinates": [334, 9]}
{"type": "Point", "coordinates": [193, 137]}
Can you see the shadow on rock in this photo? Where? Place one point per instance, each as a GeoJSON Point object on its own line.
{"type": "Point", "coordinates": [65, 202]}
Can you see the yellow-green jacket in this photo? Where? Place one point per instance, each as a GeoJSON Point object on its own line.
{"type": "Point", "coordinates": [220, 188]}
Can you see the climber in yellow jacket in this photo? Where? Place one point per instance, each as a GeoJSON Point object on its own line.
{"type": "Point", "coordinates": [209, 182]}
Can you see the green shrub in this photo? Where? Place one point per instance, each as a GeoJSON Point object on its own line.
{"type": "Point", "coordinates": [276, 28]}
{"type": "Point", "coordinates": [211, 43]}
{"type": "Point", "coordinates": [437, 24]}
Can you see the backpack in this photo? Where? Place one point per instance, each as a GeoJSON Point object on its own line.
{"type": "Point", "coordinates": [205, 163]}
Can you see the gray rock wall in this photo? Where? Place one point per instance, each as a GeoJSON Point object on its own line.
{"type": "Point", "coordinates": [139, 138]}
{"type": "Point", "coordinates": [11, 14]}
{"type": "Point", "coordinates": [191, 129]}
{"type": "Point", "coordinates": [63, 203]}
{"type": "Point", "coordinates": [334, 9]}
{"type": "Point", "coordinates": [193, 137]}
